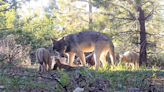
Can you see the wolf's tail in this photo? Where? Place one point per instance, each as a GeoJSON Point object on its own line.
{"type": "Point", "coordinates": [112, 54]}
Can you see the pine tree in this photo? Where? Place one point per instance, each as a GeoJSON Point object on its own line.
{"type": "Point", "coordinates": [133, 13]}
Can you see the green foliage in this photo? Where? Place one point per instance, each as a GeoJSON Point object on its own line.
{"type": "Point", "coordinates": [120, 17]}
{"type": "Point", "coordinates": [2, 58]}
{"type": "Point", "coordinates": [64, 78]}
{"type": "Point", "coordinates": [128, 78]}
{"type": "Point", "coordinates": [114, 18]}
{"type": "Point", "coordinates": [58, 88]}
{"type": "Point", "coordinates": [155, 60]}
{"type": "Point", "coordinates": [16, 82]}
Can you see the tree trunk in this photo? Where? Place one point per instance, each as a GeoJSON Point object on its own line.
{"type": "Point", "coordinates": [143, 42]}
{"type": "Point", "coordinates": [90, 12]}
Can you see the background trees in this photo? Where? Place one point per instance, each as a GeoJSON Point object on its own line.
{"type": "Point", "coordinates": [134, 17]}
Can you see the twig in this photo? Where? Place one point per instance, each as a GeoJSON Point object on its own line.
{"type": "Point", "coordinates": [65, 87]}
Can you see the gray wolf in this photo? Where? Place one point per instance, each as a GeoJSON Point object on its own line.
{"type": "Point", "coordinates": [87, 41]}
{"type": "Point", "coordinates": [130, 58]}
{"type": "Point", "coordinates": [44, 58]}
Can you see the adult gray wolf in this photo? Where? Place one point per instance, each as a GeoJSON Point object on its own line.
{"type": "Point", "coordinates": [87, 41]}
{"type": "Point", "coordinates": [130, 58]}
{"type": "Point", "coordinates": [44, 58]}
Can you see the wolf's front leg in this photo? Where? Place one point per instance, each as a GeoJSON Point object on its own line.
{"type": "Point", "coordinates": [71, 58]}
{"type": "Point", "coordinates": [97, 61]}
{"type": "Point", "coordinates": [81, 55]}
{"type": "Point", "coordinates": [49, 64]}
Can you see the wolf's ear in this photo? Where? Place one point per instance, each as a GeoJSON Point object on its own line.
{"type": "Point", "coordinates": [63, 38]}
{"type": "Point", "coordinates": [53, 40]}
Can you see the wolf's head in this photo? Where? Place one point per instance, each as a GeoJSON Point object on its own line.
{"type": "Point", "coordinates": [122, 59]}
{"type": "Point", "coordinates": [59, 46]}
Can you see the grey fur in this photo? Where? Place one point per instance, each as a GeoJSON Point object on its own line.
{"type": "Point", "coordinates": [87, 41]}
{"type": "Point", "coordinates": [130, 58]}
{"type": "Point", "coordinates": [44, 58]}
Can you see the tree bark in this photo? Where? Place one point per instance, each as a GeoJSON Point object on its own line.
{"type": "Point", "coordinates": [90, 12]}
{"type": "Point", "coordinates": [143, 42]}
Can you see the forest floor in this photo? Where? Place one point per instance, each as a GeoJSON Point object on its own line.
{"type": "Point", "coordinates": [25, 78]}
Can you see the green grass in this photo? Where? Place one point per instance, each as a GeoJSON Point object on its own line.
{"type": "Point", "coordinates": [140, 78]}
{"type": "Point", "coordinates": [117, 75]}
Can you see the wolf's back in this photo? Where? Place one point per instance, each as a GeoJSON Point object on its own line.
{"type": "Point", "coordinates": [131, 56]}
{"type": "Point", "coordinates": [87, 36]}
{"type": "Point", "coordinates": [42, 54]}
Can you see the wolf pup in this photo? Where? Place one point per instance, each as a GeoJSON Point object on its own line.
{"type": "Point", "coordinates": [44, 58]}
{"type": "Point", "coordinates": [87, 41]}
{"type": "Point", "coordinates": [130, 58]}
{"type": "Point", "coordinates": [64, 66]}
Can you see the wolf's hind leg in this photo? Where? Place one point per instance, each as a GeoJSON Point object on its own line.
{"type": "Point", "coordinates": [136, 65]}
{"type": "Point", "coordinates": [112, 55]}
{"type": "Point", "coordinates": [133, 65]}
{"type": "Point", "coordinates": [97, 59]}
{"type": "Point", "coordinates": [40, 68]}
{"type": "Point", "coordinates": [44, 67]}
{"type": "Point", "coordinates": [103, 60]}
{"type": "Point", "coordinates": [49, 64]}
{"type": "Point", "coordinates": [127, 65]}
{"type": "Point", "coordinates": [99, 49]}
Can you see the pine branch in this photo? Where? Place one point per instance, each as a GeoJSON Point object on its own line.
{"type": "Point", "coordinates": [124, 9]}
{"type": "Point", "coordinates": [125, 18]}
{"type": "Point", "coordinates": [7, 8]}
{"type": "Point", "coordinates": [130, 1]}
{"type": "Point", "coordinates": [80, 0]}
{"type": "Point", "coordinates": [149, 14]}
{"type": "Point", "coordinates": [146, 2]}
{"type": "Point", "coordinates": [6, 28]}
{"type": "Point", "coordinates": [84, 20]}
